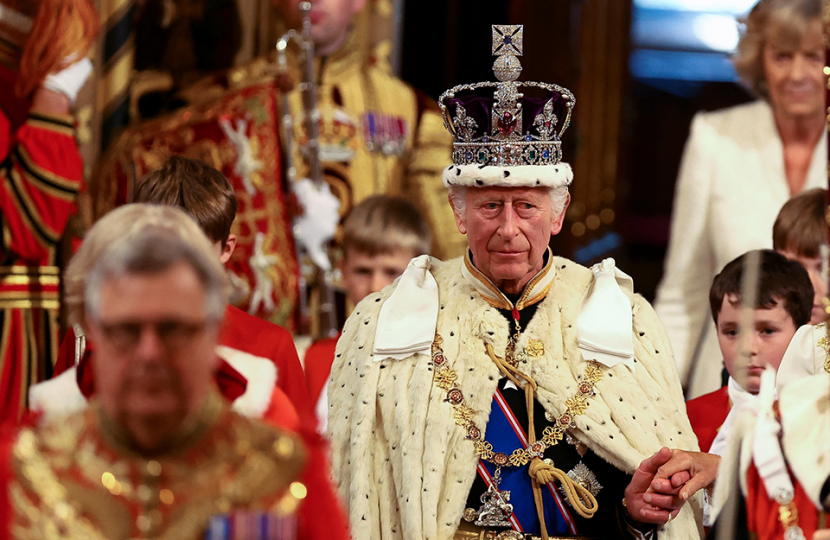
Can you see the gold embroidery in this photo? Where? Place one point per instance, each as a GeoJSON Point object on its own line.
{"type": "Point", "coordinates": [446, 379]}
{"type": "Point", "coordinates": [824, 343]}
{"type": "Point", "coordinates": [50, 505]}
{"type": "Point", "coordinates": [535, 348]}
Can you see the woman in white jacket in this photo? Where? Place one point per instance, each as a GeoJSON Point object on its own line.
{"type": "Point", "coordinates": [739, 167]}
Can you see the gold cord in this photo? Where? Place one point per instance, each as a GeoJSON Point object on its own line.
{"type": "Point", "coordinates": [582, 500]}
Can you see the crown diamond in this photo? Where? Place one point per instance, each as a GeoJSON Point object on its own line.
{"type": "Point", "coordinates": [490, 128]}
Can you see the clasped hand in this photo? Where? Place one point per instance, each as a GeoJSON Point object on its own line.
{"type": "Point", "coordinates": [663, 483]}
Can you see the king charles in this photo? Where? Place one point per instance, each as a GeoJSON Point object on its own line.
{"type": "Point", "coordinates": [510, 394]}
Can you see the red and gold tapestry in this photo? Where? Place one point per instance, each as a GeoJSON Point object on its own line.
{"type": "Point", "coordinates": [238, 135]}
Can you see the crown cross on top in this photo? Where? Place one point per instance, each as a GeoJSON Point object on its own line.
{"type": "Point", "coordinates": [507, 46]}
{"type": "Point", "coordinates": [507, 39]}
{"type": "Point", "coordinates": [495, 124]}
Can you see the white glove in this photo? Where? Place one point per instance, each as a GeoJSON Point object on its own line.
{"type": "Point", "coordinates": [70, 80]}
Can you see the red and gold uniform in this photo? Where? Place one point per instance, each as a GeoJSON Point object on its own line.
{"type": "Point", "coordinates": [378, 135]}
{"type": "Point", "coordinates": [81, 478]}
{"type": "Point", "coordinates": [758, 478]}
{"type": "Point", "coordinates": [762, 512]}
{"type": "Point", "coordinates": [198, 131]}
{"type": "Point", "coordinates": [41, 174]}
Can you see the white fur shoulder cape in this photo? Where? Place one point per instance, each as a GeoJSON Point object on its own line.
{"type": "Point", "coordinates": [404, 468]}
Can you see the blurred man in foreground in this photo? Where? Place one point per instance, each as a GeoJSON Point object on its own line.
{"type": "Point", "coordinates": [158, 451]}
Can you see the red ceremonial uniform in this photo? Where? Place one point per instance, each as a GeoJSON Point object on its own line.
{"type": "Point", "coordinates": [707, 414]}
{"type": "Point", "coordinates": [242, 332]}
{"type": "Point", "coordinates": [762, 512]}
{"type": "Point", "coordinates": [41, 173]}
{"type": "Point", "coordinates": [280, 413]}
{"type": "Point", "coordinates": [259, 337]}
{"type": "Point", "coordinates": [318, 360]}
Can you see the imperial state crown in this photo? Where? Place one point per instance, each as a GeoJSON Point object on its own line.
{"type": "Point", "coordinates": [502, 137]}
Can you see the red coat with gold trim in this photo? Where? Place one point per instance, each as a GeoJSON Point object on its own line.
{"type": "Point", "coordinates": [762, 520]}
{"type": "Point", "coordinates": [40, 175]}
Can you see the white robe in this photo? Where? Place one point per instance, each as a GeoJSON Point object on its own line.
{"type": "Point", "coordinates": [403, 466]}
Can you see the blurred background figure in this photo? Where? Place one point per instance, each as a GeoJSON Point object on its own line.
{"type": "Point", "coordinates": [799, 233]}
{"type": "Point", "coordinates": [256, 354]}
{"type": "Point", "coordinates": [43, 65]}
{"type": "Point", "coordinates": [377, 135]}
{"type": "Point", "coordinates": [739, 167]}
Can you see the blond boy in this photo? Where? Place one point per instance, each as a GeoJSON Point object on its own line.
{"type": "Point", "coordinates": [380, 236]}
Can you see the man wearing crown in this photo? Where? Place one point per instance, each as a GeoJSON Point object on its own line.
{"type": "Point", "coordinates": [510, 394]}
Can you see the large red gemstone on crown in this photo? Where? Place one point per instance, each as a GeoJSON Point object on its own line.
{"type": "Point", "coordinates": [507, 124]}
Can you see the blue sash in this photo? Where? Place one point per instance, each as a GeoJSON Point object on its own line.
{"type": "Point", "coordinates": [506, 435]}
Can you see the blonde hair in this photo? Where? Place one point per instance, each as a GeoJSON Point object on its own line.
{"type": "Point", "coordinates": [788, 19]}
{"type": "Point", "coordinates": [382, 224]}
{"type": "Point", "coordinates": [121, 228]}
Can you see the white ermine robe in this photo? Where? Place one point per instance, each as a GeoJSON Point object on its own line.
{"type": "Point", "coordinates": [402, 465]}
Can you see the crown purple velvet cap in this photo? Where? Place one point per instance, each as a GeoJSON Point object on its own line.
{"type": "Point", "coordinates": [502, 137]}
{"type": "Point", "coordinates": [480, 108]}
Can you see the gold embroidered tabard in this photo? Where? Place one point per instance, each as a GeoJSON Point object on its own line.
{"type": "Point", "coordinates": [79, 479]}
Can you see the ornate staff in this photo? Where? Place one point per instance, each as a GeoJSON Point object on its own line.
{"type": "Point", "coordinates": [312, 248]}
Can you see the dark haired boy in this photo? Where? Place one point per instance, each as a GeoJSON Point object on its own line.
{"type": "Point", "coordinates": [783, 304]}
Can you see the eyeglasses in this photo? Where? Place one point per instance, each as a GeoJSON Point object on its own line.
{"type": "Point", "coordinates": [172, 333]}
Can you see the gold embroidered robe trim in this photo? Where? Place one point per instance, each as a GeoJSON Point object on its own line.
{"type": "Point", "coordinates": [79, 479]}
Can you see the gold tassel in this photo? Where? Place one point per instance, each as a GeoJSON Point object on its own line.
{"type": "Point", "coordinates": [582, 500]}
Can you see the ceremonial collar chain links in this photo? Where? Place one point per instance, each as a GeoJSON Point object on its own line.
{"type": "Point", "coordinates": [581, 499]}
{"type": "Point", "coordinates": [447, 380]}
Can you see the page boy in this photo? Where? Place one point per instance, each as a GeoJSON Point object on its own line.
{"type": "Point", "coordinates": [783, 304]}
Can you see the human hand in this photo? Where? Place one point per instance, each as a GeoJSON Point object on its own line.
{"type": "Point", "coordinates": [685, 473]}
{"type": "Point", "coordinates": [641, 500]}
{"type": "Point", "coordinates": [823, 534]}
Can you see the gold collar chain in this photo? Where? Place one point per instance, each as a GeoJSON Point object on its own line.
{"type": "Point", "coordinates": [446, 379]}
